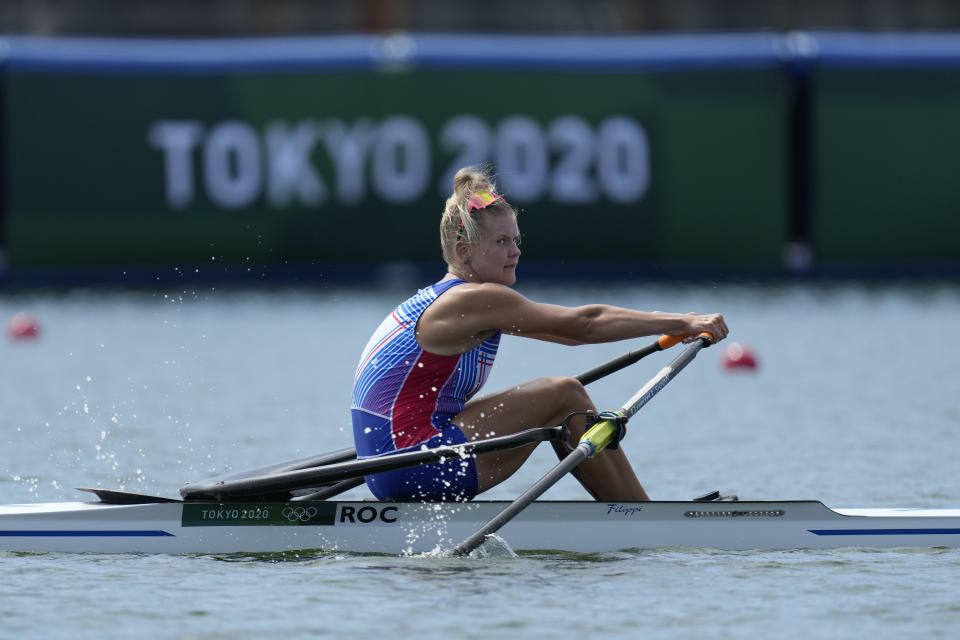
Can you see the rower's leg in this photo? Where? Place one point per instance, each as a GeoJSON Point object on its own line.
{"type": "Point", "coordinates": [544, 402]}
{"type": "Point", "coordinates": [608, 475]}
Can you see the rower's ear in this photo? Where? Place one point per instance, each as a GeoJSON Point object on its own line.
{"type": "Point", "coordinates": [462, 249]}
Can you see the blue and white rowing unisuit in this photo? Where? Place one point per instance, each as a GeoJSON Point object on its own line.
{"type": "Point", "coordinates": [405, 398]}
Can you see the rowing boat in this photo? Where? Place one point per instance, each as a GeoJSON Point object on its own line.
{"type": "Point", "coordinates": [412, 528]}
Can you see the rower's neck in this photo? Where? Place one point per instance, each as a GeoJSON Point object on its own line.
{"type": "Point", "coordinates": [460, 274]}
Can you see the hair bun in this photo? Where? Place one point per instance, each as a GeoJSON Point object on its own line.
{"type": "Point", "coordinates": [468, 180]}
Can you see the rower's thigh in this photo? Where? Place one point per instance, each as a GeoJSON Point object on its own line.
{"type": "Point", "coordinates": [543, 402]}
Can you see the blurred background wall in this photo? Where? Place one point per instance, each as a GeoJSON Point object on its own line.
{"type": "Point", "coordinates": [250, 17]}
{"type": "Point", "coordinates": [653, 139]}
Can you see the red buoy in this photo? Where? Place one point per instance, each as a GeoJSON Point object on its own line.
{"type": "Point", "coordinates": [739, 356]}
{"type": "Point", "coordinates": [22, 325]}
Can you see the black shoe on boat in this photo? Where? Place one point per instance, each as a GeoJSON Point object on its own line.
{"type": "Point", "coordinates": [716, 496]}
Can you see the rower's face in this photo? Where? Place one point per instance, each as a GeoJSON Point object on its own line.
{"type": "Point", "coordinates": [494, 258]}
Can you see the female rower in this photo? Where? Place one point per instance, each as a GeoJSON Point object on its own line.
{"type": "Point", "coordinates": [428, 358]}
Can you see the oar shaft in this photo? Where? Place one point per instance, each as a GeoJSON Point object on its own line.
{"type": "Point", "coordinates": [665, 375]}
{"type": "Point", "coordinates": [330, 491]}
{"type": "Point", "coordinates": [568, 464]}
{"type": "Point", "coordinates": [305, 478]}
{"type": "Point", "coordinates": [627, 359]}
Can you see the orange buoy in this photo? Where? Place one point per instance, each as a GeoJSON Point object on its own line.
{"type": "Point", "coordinates": [22, 325]}
{"type": "Point", "coordinates": [739, 356]}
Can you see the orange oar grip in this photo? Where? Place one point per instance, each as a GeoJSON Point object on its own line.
{"type": "Point", "coordinates": [707, 336]}
{"type": "Point", "coordinates": [666, 342]}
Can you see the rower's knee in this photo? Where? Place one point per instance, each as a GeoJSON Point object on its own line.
{"type": "Point", "coordinates": [571, 399]}
{"type": "Point", "coordinates": [570, 392]}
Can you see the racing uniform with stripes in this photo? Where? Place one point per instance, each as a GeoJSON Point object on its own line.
{"type": "Point", "coordinates": [405, 398]}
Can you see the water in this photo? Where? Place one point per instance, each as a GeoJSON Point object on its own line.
{"type": "Point", "coordinates": [855, 403]}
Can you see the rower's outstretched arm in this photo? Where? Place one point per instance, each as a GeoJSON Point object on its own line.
{"type": "Point", "coordinates": [472, 310]}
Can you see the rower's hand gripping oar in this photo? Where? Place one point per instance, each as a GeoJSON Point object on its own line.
{"type": "Point", "coordinates": [595, 440]}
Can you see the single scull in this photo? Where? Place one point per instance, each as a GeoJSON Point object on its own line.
{"type": "Point", "coordinates": [410, 528]}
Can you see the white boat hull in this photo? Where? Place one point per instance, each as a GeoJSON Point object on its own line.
{"type": "Point", "coordinates": [407, 528]}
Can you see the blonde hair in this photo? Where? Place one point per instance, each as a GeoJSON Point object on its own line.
{"type": "Point", "coordinates": [458, 222]}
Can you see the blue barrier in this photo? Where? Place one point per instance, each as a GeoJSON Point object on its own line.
{"type": "Point", "coordinates": [442, 51]}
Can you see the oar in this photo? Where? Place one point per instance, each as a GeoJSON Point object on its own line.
{"type": "Point", "coordinates": [259, 486]}
{"type": "Point", "coordinates": [266, 482]}
{"type": "Point", "coordinates": [627, 359]}
{"type": "Point", "coordinates": [598, 437]}
{"type": "Point", "coordinates": [331, 490]}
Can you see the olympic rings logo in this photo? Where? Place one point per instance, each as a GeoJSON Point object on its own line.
{"type": "Point", "coordinates": [301, 514]}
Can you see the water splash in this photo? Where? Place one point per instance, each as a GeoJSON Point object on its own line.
{"type": "Point", "coordinates": [494, 547]}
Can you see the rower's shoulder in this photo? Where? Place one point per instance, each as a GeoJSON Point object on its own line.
{"type": "Point", "coordinates": [481, 302]}
{"type": "Point", "coordinates": [474, 292]}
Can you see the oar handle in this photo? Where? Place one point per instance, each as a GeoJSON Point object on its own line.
{"type": "Point", "coordinates": [665, 341]}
